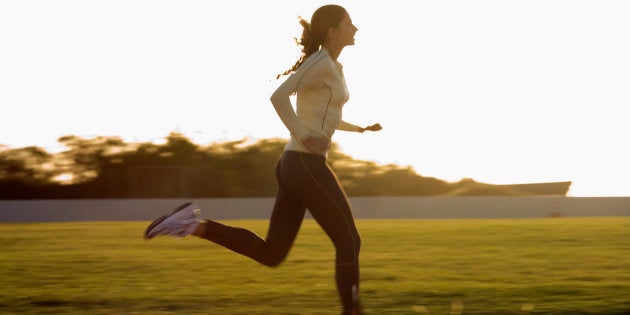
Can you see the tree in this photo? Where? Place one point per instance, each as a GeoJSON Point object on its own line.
{"type": "Point", "coordinates": [108, 167]}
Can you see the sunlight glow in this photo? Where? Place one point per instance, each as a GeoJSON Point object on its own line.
{"type": "Point", "coordinates": [65, 178]}
{"type": "Point", "coordinates": [498, 91]}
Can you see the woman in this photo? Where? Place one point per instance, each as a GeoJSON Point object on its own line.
{"type": "Point", "coordinates": [305, 181]}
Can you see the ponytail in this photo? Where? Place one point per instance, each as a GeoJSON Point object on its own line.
{"type": "Point", "coordinates": [309, 46]}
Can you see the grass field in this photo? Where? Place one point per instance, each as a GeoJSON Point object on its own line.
{"type": "Point", "coordinates": [533, 266]}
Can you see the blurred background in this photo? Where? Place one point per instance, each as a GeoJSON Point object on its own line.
{"type": "Point", "coordinates": [498, 92]}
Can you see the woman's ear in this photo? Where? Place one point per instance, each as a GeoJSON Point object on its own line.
{"type": "Point", "coordinates": [332, 32]}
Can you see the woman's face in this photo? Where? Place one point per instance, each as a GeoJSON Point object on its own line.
{"type": "Point", "coordinates": [345, 32]}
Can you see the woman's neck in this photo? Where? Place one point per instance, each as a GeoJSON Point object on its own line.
{"type": "Point", "coordinates": [333, 50]}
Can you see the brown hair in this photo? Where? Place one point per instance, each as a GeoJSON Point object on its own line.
{"type": "Point", "coordinates": [314, 33]}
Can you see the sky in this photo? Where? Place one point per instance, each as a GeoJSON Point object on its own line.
{"type": "Point", "coordinates": [499, 91]}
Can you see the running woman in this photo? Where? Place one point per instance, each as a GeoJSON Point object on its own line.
{"type": "Point", "coordinates": [305, 181]}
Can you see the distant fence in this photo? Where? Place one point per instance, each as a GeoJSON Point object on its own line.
{"type": "Point", "coordinates": [364, 208]}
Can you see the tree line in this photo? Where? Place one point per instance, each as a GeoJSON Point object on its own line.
{"type": "Point", "coordinates": [108, 167]}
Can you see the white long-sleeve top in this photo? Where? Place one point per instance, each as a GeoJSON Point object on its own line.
{"type": "Point", "coordinates": [321, 93]}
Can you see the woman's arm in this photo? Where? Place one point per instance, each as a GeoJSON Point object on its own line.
{"type": "Point", "coordinates": [282, 103]}
{"type": "Point", "coordinates": [308, 75]}
{"type": "Point", "coordinates": [346, 126]}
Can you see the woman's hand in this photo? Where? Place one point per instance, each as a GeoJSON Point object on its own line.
{"type": "Point", "coordinates": [316, 144]}
{"type": "Point", "coordinates": [375, 127]}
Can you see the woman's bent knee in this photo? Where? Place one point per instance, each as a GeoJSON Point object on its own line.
{"type": "Point", "coordinates": [272, 258]}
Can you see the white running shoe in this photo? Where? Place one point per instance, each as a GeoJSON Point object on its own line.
{"type": "Point", "coordinates": [179, 223]}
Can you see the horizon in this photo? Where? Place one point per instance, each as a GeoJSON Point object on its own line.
{"type": "Point", "coordinates": [58, 148]}
{"type": "Point", "coordinates": [503, 92]}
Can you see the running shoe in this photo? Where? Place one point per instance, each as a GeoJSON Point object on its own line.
{"type": "Point", "coordinates": [179, 223]}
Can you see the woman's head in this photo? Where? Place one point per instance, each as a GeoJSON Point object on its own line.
{"type": "Point", "coordinates": [316, 32]}
{"type": "Point", "coordinates": [325, 21]}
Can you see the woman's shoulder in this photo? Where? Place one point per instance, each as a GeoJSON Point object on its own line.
{"type": "Point", "coordinates": [318, 60]}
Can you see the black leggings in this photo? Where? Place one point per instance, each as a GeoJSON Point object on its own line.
{"type": "Point", "coordinates": [305, 181]}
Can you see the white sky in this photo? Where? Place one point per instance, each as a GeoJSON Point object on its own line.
{"type": "Point", "coordinates": [499, 91]}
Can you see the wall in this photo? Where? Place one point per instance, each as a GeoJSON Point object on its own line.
{"type": "Point", "coordinates": [364, 208]}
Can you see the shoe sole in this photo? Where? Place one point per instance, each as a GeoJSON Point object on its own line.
{"type": "Point", "coordinates": [159, 220]}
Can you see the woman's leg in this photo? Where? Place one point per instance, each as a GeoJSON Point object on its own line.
{"type": "Point", "coordinates": [286, 219]}
{"type": "Point", "coordinates": [319, 189]}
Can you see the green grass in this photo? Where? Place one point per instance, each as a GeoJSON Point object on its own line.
{"type": "Point", "coordinates": [537, 266]}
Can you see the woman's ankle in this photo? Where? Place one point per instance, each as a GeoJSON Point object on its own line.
{"type": "Point", "coordinates": [356, 310]}
{"type": "Point", "coordinates": [200, 231]}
